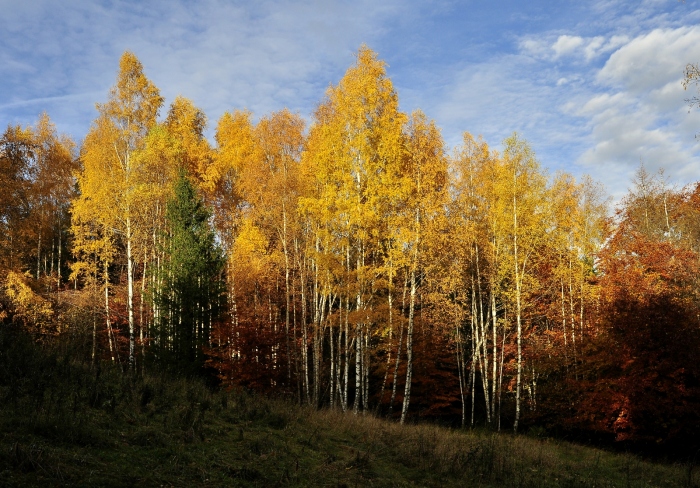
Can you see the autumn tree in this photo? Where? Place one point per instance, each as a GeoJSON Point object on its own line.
{"type": "Point", "coordinates": [473, 276]}
{"type": "Point", "coordinates": [686, 216]}
{"type": "Point", "coordinates": [53, 190]}
{"type": "Point", "coordinates": [354, 152]}
{"type": "Point", "coordinates": [691, 76]}
{"type": "Point", "coordinates": [37, 176]}
{"type": "Point", "coordinates": [425, 174]}
{"type": "Point", "coordinates": [235, 147]}
{"type": "Point", "coordinates": [270, 185]}
{"type": "Point", "coordinates": [524, 209]}
{"type": "Point", "coordinates": [17, 153]}
{"type": "Point", "coordinates": [235, 150]}
{"type": "Point", "coordinates": [110, 190]}
{"type": "Point", "coordinates": [185, 124]}
{"type": "Point", "coordinates": [642, 375]}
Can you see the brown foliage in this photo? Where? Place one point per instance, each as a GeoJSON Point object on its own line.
{"type": "Point", "coordinates": [640, 379]}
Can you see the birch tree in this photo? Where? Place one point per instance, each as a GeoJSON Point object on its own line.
{"type": "Point", "coordinates": [526, 206]}
{"type": "Point", "coordinates": [109, 189]}
{"type": "Point", "coordinates": [354, 152]}
{"type": "Point", "coordinates": [425, 173]}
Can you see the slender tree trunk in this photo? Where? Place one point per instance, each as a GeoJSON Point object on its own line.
{"type": "Point", "coordinates": [411, 310]}
{"type": "Point", "coordinates": [494, 336]}
{"type": "Point", "coordinates": [475, 349]}
{"type": "Point", "coordinates": [130, 286]}
{"type": "Point", "coordinates": [366, 359]}
{"type": "Point", "coordinates": [500, 372]}
{"type": "Point", "coordinates": [318, 338]}
{"type": "Point", "coordinates": [53, 250]}
{"type": "Point", "coordinates": [141, 320]}
{"type": "Point", "coordinates": [331, 387]}
{"type": "Point", "coordinates": [316, 313]}
{"type": "Point", "coordinates": [358, 368]}
{"type": "Point", "coordinates": [563, 325]}
{"type": "Point", "coordinates": [460, 369]}
{"type": "Point", "coordinates": [391, 334]}
{"type": "Point", "coordinates": [108, 321]}
{"type": "Point", "coordinates": [346, 355]}
{"type": "Point", "coordinates": [409, 346]}
{"type": "Point", "coordinates": [93, 355]}
{"type": "Point", "coordinates": [518, 312]}
{"type": "Point", "coordinates": [297, 366]}
{"type": "Point", "coordinates": [155, 259]}
{"type": "Point", "coordinates": [398, 347]}
{"type": "Point", "coordinates": [573, 320]}
{"type": "Point", "coordinates": [338, 356]}
{"type": "Point", "coordinates": [287, 293]}
{"type": "Point", "coordinates": [59, 254]}
{"type": "Point", "coordinates": [580, 319]}
{"type": "Point", "coordinates": [38, 256]}
{"type": "Point", "coordinates": [483, 353]}
{"type": "Point", "coordinates": [304, 336]}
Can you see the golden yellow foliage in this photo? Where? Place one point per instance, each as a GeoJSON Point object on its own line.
{"type": "Point", "coordinates": [34, 311]}
{"type": "Point", "coordinates": [250, 250]}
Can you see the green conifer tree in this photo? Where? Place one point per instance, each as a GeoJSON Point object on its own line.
{"type": "Point", "coordinates": [191, 283]}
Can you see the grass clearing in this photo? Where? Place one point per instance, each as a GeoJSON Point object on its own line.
{"type": "Point", "coordinates": [63, 423]}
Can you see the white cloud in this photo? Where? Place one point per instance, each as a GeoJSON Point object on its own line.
{"type": "Point", "coordinates": [652, 60]}
{"type": "Point", "coordinates": [641, 114]}
{"type": "Point", "coordinates": [593, 47]}
{"type": "Point", "coordinates": [615, 42]}
{"type": "Point", "coordinates": [566, 45]}
{"type": "Point", "coordinates": [538, 48]}
{"type": "Point", "coordinates": [588, 48]}
{"type": "Point", "coordinates": [609, 117]}
{"type": "Point", "coordinates": [512, 93]}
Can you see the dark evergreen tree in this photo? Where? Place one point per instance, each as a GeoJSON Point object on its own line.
{"type": "Point", "coordinates": [191, 285]}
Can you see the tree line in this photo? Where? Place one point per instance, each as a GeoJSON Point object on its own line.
{"type": "Point", "coordinates": [357, 263]}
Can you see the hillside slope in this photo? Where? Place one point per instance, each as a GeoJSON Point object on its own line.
{"type": "Point", "coordinates": [64, 423]}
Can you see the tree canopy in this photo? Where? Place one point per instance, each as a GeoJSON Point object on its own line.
{"type": "Point", "coordinates": [358, 263]}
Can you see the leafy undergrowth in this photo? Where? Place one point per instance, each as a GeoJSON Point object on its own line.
{"type": "Point", "coordinates": [63, 423]}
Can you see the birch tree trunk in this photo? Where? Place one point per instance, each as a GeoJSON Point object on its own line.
{"type": "Point", "coordinates": [130, 285]}
{"type": "Point", "coordinates": [518, 312]}
{"type": "Point", "coordinates": [409, 341]}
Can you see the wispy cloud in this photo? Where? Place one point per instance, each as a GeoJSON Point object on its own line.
{"type": "Point", "coordinates": [640, 114]}
{"type": "Point", "coordinates": [223, 55]}
{"type": "Point", "coordinates": [41, 101]}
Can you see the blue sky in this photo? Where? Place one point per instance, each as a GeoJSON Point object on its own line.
{"type": "Point", "coordinates": [594, 86]}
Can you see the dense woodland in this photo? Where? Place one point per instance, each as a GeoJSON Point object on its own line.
{"type": "Point", "coordinates": [357, 263]}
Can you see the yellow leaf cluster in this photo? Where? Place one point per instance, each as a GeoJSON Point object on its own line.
{"type": "Point", "coordinates": [30, 307]}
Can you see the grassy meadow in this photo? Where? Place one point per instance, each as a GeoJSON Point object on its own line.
{"type": "Point", "coordinates": [67, 423]}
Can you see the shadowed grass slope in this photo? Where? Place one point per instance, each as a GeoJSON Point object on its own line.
{"type": "Point", "coordinates": [63, 423]}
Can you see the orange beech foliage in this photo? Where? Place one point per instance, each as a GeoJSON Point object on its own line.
{"type": "Point", "coordinates": [249, 355]}
{"type": "Point", "coordinates": [635, 377]}
{"type": "Point", "coordinates": [640, 378]}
